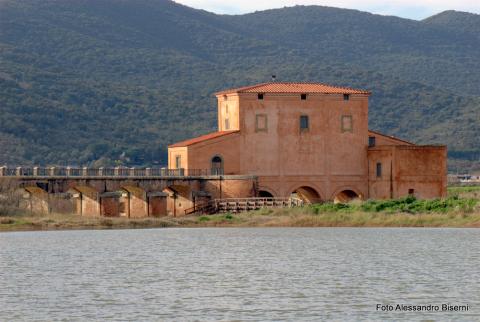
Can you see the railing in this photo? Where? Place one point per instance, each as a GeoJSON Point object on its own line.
{"type": "Point", "coordinates": [103, 172]}
{"type": "Point", "coordinates": [242, 204]}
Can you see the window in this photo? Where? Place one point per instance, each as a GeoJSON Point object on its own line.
{"type": "Point", "coordinates": [346, 97]}
{"type": "Point", "coordinates": [371, 141]}
{"type": "Point", "coordinates": [411, 192]}
{"type": "Point", "coordinates": [379, 169]}
{"type": "Point", "coordinates": [261, 123]}
{"type": "Point", "coordinates": [304, 123]}
{"type": "Point", "coordinates": [347, 123]}
{"type": "Point", "coordinates": [217, 165]}
{"type": "Point", "coordinates": [260, 96]}
{"type": "Point", "coordinates": [178, 161]}
{"type": "Point", "coordinates": [303, 97]}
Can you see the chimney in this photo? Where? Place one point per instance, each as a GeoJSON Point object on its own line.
{"type": "Point", "coordinates": [274, 78]}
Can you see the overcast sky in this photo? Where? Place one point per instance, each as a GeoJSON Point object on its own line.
{"type": "Point", "coordinates": [413, 9]}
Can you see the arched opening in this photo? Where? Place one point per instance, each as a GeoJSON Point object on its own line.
{"type": "Point", "coordinates": [346, 196]}
{"type": "Point", "coordinates": [264, 194]}
{"type": "Point", "coordinates": [217, 165]}
{"type": "Point", "coordinates": [307, 194]}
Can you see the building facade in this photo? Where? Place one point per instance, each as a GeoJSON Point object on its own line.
{"type": "Point", "coordinates": [311, 140]}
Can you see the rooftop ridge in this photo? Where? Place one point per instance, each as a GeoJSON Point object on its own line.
{"type": "Point", "coordinates": [294, 87]}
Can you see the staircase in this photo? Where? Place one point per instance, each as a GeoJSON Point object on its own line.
{"type": "Point", "coordinates": [236, 205]}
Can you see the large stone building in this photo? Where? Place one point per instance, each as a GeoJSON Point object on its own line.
{"type": "Point", "coordinates": [311, 140]}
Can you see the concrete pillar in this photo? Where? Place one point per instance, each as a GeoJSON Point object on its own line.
{"type": "Point", "coordinates": [132, 172]}
{"type": "Point", "coordinates": [52, 171]}
{"type": "Point", "coordinates": [3, 171]}
{"type": "Point", "coordinates": [85, 171]}
{"type": "Point", "coordinates": [18, 171]}
{"type": "Point", "coordinates": [68, 171]}
{"type": "Point", "coordinates": [35, 171]}
{"type": "Point", "coordinates": [148, 172]}
{"type": "Point", "coordinates": [116, 171]}
{"type": "Point", "coordinates": [100, 171]}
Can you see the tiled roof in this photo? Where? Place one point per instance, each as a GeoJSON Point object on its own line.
{"type": "Point", "coordinates": [390, 137]}
{"type": "Point", "coordinates": [283, 87]}
{"type": "Point", "coordinates": [201, 139]}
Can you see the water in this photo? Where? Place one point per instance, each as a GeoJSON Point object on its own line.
{"type": "Point", "coordinates": [291, 274]}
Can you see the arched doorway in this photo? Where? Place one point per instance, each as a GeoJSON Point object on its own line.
{"type": "Point", "coordinates": [217, 165]}
{"type": "Point", "coordinates": [346, 196]}
{"type": "Point", "coordinates": [307, 194]}
{"type": "Point", "coordinates": [264, 194]}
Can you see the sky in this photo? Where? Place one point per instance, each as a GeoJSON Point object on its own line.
{"type": "Point", "coordinates": [412, 9]}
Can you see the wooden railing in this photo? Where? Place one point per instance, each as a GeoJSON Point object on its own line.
{"type": "Point", "coordinates": [236, 205]}
{"type": "Point", "coordinates": [102, 172]}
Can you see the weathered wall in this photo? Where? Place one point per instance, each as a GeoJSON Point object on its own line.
{"type": "Point", "coordinates": [282, 149]}
{"type": "Point", "coordinates": [227, 147]}
{"type": "Point", "coordinates": [420, 170]}
{"type": "Point", "coordinates": [110, 207]}
{"type": "Point", "coordinates": [158, 206]}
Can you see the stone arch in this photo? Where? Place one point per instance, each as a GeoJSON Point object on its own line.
{"type": "Point", "coordinates": [307, 193]}
{"type": "Point", "coordinates": [346, 194]}
{"type": "Point", "coordinates": [217, 165]}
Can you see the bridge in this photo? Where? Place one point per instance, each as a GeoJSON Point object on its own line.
{"type": "Point", "coordinates": [120, 191]}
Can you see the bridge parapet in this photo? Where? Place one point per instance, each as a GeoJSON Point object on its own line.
{"type": "Point", "coordinates": [122, 172]}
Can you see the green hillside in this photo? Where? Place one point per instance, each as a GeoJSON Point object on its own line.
{"type": "Point", "coordinates": [108, 82]}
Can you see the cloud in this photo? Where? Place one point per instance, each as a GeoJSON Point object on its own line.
{"type": "Point", "coordinates": [415, 9]}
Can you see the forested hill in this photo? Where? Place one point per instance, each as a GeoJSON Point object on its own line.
{"type": "Point", "coordinates": [109, 82]}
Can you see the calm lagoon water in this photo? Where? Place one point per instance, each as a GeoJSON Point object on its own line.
{"type": "Point", "coordinates": [332, 274]}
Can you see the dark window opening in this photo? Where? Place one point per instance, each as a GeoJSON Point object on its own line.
{"type": "Point", "coordinates": [346, 97]}
{"type": "Point", "coordinates": [303, 97]}
{"type": "Point", "coordinates": [411, 192]}
{"type": "Point", "coordinates": [260, 96]}
{"type": "Point", "coordinates": [178, 162]}
{"type": "Point", "coordinates": [379, 169]}
{"type": "Point", "coordinates": [217, 165]}
{"type": "Point", "coordinates": [304, 122]}
{"type": "Point", "coordinates": [371, 141]}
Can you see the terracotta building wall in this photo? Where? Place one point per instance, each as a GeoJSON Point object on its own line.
{"type": "Point", "coordinates": [281, 148]}
{"type": "Point", "coordinates": [227, 147]}
{"type": "Point", "coordinates": [417, 170]}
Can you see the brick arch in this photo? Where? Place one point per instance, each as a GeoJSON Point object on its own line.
{"type": "Point", "coordinates": [346, 194]}
{"type": "Point", "coordinates": [268, 190]}
{"type": "Point", "coordinates": [308, 192]}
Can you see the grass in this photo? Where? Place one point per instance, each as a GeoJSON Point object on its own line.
{"type": "Point", "coordinates": [460, 209]}
{"type": "Point", "coordinates": [404, 205]}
